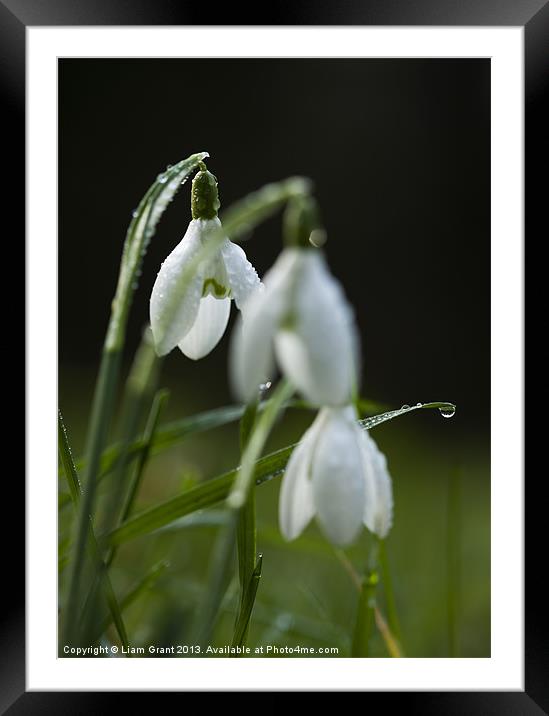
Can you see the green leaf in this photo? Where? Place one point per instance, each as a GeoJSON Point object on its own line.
{"type": "Point", "coordinates": [446, 409]}
{"type": "Point", "coordinates": [76, 493]}
{"type": "Point", "coordinates": [247, 605]}
{"type": "Point", "coordinates": [246, 530]}
{"type": "Point", "coordinates": [197, 498]}
{"type": "Point", "coordinates": [247, 423]}
{"type": "Point", "coordinates": [133, 595]}
{"type": "Point", "coordinates": [254, 447]}
{"type": "Point", "coordinates": [370, 407]}
{"type": "Point", "coordinates": [158, 403]}
{"type": "Point", "coordinates": [65, 453]}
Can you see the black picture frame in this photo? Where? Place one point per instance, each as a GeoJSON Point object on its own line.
{"type": "Point", "coordinates": [15, 17]}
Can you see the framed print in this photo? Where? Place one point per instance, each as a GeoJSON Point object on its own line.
{"type": "Point", "coordinates": [275, 312]}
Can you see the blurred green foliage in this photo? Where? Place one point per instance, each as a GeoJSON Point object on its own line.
{"type": "Point", "coordinates": [438, 549]}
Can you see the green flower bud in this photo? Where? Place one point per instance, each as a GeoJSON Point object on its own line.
{"type": "Point", "coordinates": [204, 195]}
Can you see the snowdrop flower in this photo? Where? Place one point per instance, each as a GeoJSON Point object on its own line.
{"type": "Point", "coordinates": [302, 318]}
{"type": "Point", "coordinates": [195, 319]}
{"type": "Point", "coordinates": [338, 474]}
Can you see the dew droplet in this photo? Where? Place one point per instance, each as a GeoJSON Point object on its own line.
{"type": "Point", "coordinates": [161, 179]}
{"type": "Point", "coordinates": [418, 405]}
{"type": "Point", "coordinates": [135, 213]}
{"type": "Point", "coordinates": [405, 407]}
{"type": "Point", "coordinates": [448, 411]}
{"type": "Point", "coordinates": [264, 387]}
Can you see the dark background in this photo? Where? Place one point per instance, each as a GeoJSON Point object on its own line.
{"type": "Point", "coordinates": [399, 152]}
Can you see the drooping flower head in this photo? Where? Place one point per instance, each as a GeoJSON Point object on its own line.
{"type": "Point", "coordinates": [337, 474]}
{"type": "Point", "coordinates": [193, 315]}
{"type": "Point", "coordinates": [303, 319]}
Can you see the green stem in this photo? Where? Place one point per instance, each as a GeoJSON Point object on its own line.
{"type": "Point", "coordinates": [246, 530]}
{"type": "Point", "coordinates": [392, 614]}
{"type": "Point", "coordinates": [391, 642]}
{"type": "Point", "coordinates": [221, 562]}
{"type": "Point", "coordinates": [366, 606]}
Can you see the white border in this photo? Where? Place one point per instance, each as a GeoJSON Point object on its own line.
{"type": "Point", "coordinates": [504, 670]}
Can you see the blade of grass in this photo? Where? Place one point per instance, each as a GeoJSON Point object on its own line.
{"type": "Point", "coordinates": [142, 379]}
{"type": "Point", "coordinates": [139, 234]}
{"type": "Point", "coordinates": [133, 594]}
{"type": "Point", "coordinates": [241, 629]}
{"type": "Point", "coordinates": [246, 531]}
{"type": "Point", "coordinates": [453, 566]}
{"type": "Point", "coordinates": [76, 494]}
{"type": "Point", "coordinates": [447, 409]}
{"type": "Point", "coordinates": [158, 404]}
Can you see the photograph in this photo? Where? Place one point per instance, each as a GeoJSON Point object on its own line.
{"type": "Point", "coordinates": [274, 282]}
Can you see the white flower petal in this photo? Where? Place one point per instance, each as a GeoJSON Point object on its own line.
{"type": "Point", "coordinates": [208, 328]}
{"type": "Point", "coordinates": [173, 313]}
{"type": "Point", "coordinates": [337, 477]}
{"type": "Point", "coordinates": [241, 275]}
{"type": "Point", "coordinates": [296, 505]}
{"type": "Point", "coordinates": [317, 350]}
{"type": "Point", "coordinates": [251, 359]}
{"type": "Point", "coordinates": [378, 508]}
